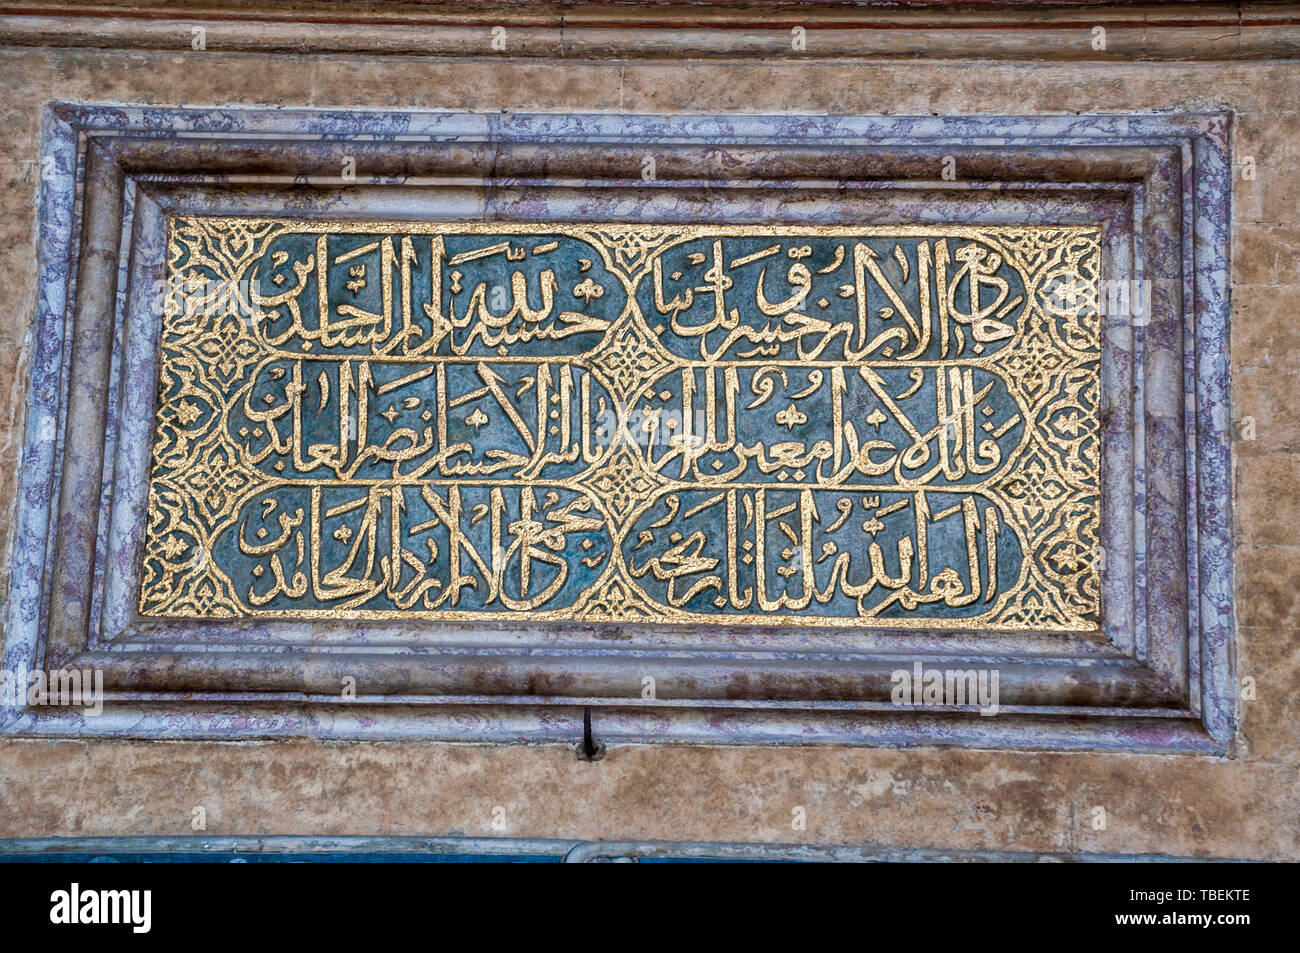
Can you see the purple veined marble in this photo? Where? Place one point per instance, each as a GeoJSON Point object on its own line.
{"type": "Point", "coordinates": [1174, 233]}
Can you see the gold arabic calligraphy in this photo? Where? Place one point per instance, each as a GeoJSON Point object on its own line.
{"type": "Point", "coordinates": [872, 426]}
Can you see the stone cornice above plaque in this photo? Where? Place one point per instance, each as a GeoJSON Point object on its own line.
{"type": "Point", "coordinates": [853, 29]}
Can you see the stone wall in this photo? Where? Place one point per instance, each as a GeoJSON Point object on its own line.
{"type": "Point", "coordinates": [1245, 805]}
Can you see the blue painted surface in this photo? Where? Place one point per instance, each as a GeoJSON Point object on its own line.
{"type": "Point", "coordinates": [426, 412]}
{"type": "Point", "coordinates": [167, 857]}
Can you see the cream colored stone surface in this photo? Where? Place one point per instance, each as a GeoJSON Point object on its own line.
{"type": "Point", "coordinates": [1243, 807]}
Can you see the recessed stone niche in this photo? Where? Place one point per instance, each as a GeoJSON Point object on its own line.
{"type": "Point", "coordinates": [457, 426]}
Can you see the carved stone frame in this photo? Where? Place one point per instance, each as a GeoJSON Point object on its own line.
{"type": "Point", "coordinates": [1161, 679]}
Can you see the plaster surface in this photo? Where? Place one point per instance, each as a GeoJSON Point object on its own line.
{"type": "Point", "coordinates": [1244, 806]}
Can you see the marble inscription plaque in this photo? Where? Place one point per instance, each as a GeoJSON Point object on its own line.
{"type": "Point", "coordinates": [879, 426]}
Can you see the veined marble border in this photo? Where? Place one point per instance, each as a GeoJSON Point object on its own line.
{"type": "Point", "coordinates": [115, 170]}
